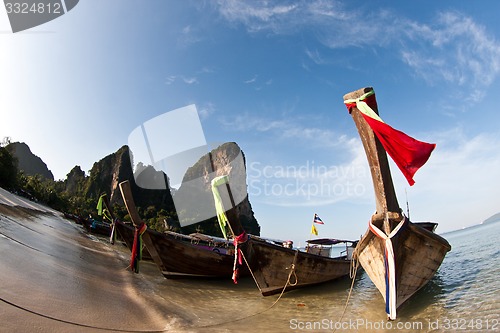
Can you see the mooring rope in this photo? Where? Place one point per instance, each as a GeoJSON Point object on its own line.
{"type": "Point", "coordinates": [59, 319]}
{"type": "Point", "coordinates": [292, 271]}
{"type": "Point", "coordinates": [23, 244]}
{"type": "Point", "coordinates": [354, 266]}
{"type": "Point", "coordinates": [75, 323]}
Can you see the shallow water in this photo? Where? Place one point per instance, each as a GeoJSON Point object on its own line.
{"type": "Point", "coordinates": [56, 278]}
{"type": "Point", "coordinates": [463, 296]}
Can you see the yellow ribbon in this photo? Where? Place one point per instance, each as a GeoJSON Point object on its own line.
{"type": "Point", "coordinates": [219, 207]}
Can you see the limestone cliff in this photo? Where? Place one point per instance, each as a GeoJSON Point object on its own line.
{"type": "Point", "coordinates": [74, 180]}
{"type": "Point", "coordinates": [109, 172]}
{"type": "Point", "coordinates": [28, 162]}
{"type": "Point", "coordinates": [227, 159]}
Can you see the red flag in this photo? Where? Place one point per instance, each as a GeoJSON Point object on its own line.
{"type": "Point", "coordinates": [408, 154]}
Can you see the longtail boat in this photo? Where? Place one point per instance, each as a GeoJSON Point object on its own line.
{"type": "Point", "coordinates": [176, 256]}
{"type": "Point", "coordinates": [275, 268]}
{"type": "Point", "coordinates": [399, 256]}
{"type": "Point", "coordinates": [96, 227]}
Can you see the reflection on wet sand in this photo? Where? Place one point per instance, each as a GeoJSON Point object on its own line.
{"type": "Point", "coordinates": [58, 278]}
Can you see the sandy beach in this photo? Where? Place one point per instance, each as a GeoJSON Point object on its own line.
{"type": "Point", "coordinates": [56, 278]}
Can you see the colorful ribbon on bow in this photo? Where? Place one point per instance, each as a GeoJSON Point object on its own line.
{"type": "Point", "coordinates": [238, 255]}
{"type": "Point", "coordinates": [136, 254]}
{"type": "Point", "coordinates": [390, 266]}
{"type": "Point", "coordinates": [408, 154]}
{"type": "Point", "coordinates": [219, 207]}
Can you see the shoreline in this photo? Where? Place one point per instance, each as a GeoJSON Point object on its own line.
{"type": "Point", "coordinates": [58, 279]}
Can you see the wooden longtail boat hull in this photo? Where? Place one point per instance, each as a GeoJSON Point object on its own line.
{"type": "Point", "coordinates": [271, 266]}
{"type": "Point", "coordinates": [96, 228]}
{"type": "Point", "coordinates": [180, 259]}
{"type": "Point", "coordinates": [418, 252]}
{"type": "Point", "coordinates": [177, 258]}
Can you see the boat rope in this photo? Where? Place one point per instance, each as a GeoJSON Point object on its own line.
{"type": "Point", "coordinates": [390, 265]}
{"type": "Point", "coordinates": [354, 266]}
{"type": "Point", "coordinates": [23, 244]}
{"type": "Point", "coordinates": [251, 272]}
{"type": "Point", "coordinates": [109, 329]}
{"type": "Point", "coordinates": [75, 323]}
{"type": "Point", "coordinates": [59, 319]}
{"type": "Point", "coordinates": [292, 272]}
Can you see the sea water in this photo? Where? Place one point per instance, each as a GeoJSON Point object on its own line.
{"type": "Point", "coordinates": [463, 296]}
{"type": "Point", "coordinates": [53, 276]}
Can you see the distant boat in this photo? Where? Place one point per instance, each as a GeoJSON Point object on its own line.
{"type": "Point", "coordinates": [399, 256]}
{"type": "Point", "coordinates": [96, 227]}
{"type": "Point", "coordinates": [277, 268]}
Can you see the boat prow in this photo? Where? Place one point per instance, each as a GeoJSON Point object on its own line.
{"type": "Point", "coordinates": [418, 255]}
{"type": "Point", "coordinates": [399, 256]}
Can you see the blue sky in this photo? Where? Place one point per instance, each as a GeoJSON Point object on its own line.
{"type": "Point", "coordinates": [271, 76]}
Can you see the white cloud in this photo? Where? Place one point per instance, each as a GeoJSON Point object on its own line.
{"type": "Point", "coordinates": [252, 80]}
{"type": "Point", "coordinates": [313, 182]}
{"type": "Point", "coordinates": [315, 57]}
{"type": "Point", "coordinates": [206, 70]}
{"type": "Point", "coordinates": [456, 48]}
{"type": "Point", "coordinates": [330, 20]}
{"type": "Point", "coordinates": [457, 187]}
{"type": "Point", "coordinates": [170, 79]}
{"type": "Point", "coordinates": [453, 49]}
{"type": "Point", "coordinates": [256, 15]}
{"type": "Point", "coordinates": [206, 110]}
{"type": "Point", "coordinates": [188, 36]}
{"type": "Point", "coordinates": [187, 80]}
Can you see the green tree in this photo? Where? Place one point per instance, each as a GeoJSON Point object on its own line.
{"type": "Point", "coordinates": [8, 169]}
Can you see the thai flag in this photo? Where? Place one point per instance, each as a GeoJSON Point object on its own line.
{"type": "Point", "coordinates": [317, 219]}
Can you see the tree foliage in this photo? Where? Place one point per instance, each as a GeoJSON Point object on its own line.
{"type": "Point", "coordinates": [8, 169]}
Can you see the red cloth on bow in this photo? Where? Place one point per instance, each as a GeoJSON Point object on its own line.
{"type": "Point", "coordinates": [136, 254]}
{"type": "Point", "coordinates": [408, 154]}
{"type": "Point", "coordinates": [238, 255]}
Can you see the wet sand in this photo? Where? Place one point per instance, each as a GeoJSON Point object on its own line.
{"type": "Point", "coordinates": [54, 277]}
{"type": "Point", "coordinates": [57, 278]}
